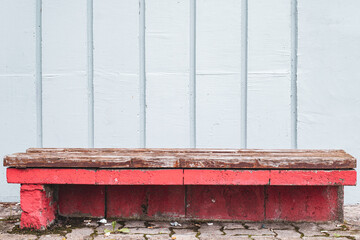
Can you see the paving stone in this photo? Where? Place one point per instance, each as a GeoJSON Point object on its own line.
{"type": "Point", "coordinates": [158, 237]}
{"type": "Point", "coordinates": [51, 237]}
{"type": "Point", "coordinates": [135, 224]}
{"type": "Point", "coordinates": [6, 236]}
{"type": "Point", "coordinates": [102, 227]}
{"type": "Point", "coordinates": [330, 226]}
{"type": "Point", "coordinates": [270, 225]}
{"type": "Point", "coordinates": [351, 214]}
{"type": "Point", "coordinates": [80, 233]}
{"type": "Point", "coordinates": [184, 237]}
{"type": "Point", "coordinates": [233, 226]}
{"type": "Point", "coordinates": [223, 237]}
{"type": "Point", "coordinates": [9, 210]}
{"type": "Point", "coordinates": [168, 225]}
{"type": "Point", "coordinates": [287, 234]}
{"type": "Point", "coordinates": [325, 238]}
{"type": "Point", "coordinates": [6, 226]}
{"type": "Point", "coordinates": [262, 237]}
{"type": "Point", "coordinates": [258, 232]}
{"type": "Point", "coordinates": [152, 231]}
{"type": "Point", "coordinates": [120, 237]}
{"type": "Point", "coordinates": [309, 229]}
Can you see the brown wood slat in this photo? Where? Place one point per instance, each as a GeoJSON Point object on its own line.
{"type": "Point", "coordinates": [181, 158]}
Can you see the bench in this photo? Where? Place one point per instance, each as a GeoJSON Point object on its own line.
{"type": "Point", "coordinates": [170, 184]}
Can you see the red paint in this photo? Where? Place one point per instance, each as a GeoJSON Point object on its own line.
{"type": "Point", "coordinates": [126, 201]}
{"type": "Point", "coordinates": [225, 202]}
{"type": "Point", "coordinates": [226, 177]}
{"type": "Point", "coordinates": [180, 177]}
{"type": "Point", "coordinates": [313, 177]}
{"type": "Point", "coordinates": [37, 205]}
{"type": "Point", "coordinates": [166, 201]}
{"type": "Point", "coordinates": [50, 176]}
{"type": "Point", "coordinates": [82, 200]}
{"type": "Point", "coordinates": [146, 201]}
{"type": "Point", "coordinates": [305, 203]}
{"type": "Point", "coordinates": [140, 177]}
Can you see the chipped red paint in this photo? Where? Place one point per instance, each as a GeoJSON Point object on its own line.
{"type": "Point", "coordinates": [181, 177]}
{"type": "Point", "coordinates": [158, 202]}
{"type": "Point", "coordinates": [82, 200]}
{"type": "Point", "coordinates": [38, 206]}
{"type": "Point", "coordinates": [303, 203]}
{"type": "Point", "coordinates": [50, 176]}
{"type": "Point", "coordinates": [225, 202]}
{"type": "Point", "coordinates": [166, 201]}
{"type": "Point", "coordinates": [140, 177]}
{"type": "Point", "coordinates": [126, 201]}
{"type": "Point", "coordinates": [314, 177]}
{"type": "Point", "coordinates": [226, 177]}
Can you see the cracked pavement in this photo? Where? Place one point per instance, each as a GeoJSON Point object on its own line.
{"type": "Point", "coordinates": [152, 230]}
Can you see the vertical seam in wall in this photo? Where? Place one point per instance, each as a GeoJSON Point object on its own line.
{"type": "Point", "coordinates": [90, 68]}
{"type": "Point", "coordinates": [38, 73]}
{"type": "Point", "coordinates": [192, 80]}
{"type": "Point", "coordinates": [244, 73]}
{"type": "Point", "coordinates": [294, 50]}
{"type": "Point", "coordinates": [142, 74]}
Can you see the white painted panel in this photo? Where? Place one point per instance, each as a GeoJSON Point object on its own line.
{"type": "Point", "coordinates": [218, 48]}
{"type": "Point", "coordinates": [65, 73]}
{"type": "Point", "coordinates": [328, 78]}
{"type": "Point", "coordinates": [116, 73]}
{"type": "Point", "coordinates": [167, 73]}
{"type": "Point", "coordinates": [269, 66]}
{"type": "Point", "coordinates": [17, 85]}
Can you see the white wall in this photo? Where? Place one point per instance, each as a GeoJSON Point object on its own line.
{"type": "Point", "coordinates": [269, 74]}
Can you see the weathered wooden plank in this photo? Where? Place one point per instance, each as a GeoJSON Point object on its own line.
{"type": "Point", "coordinates": [183, 158]}
{"type": "Point", "coordinates": [195, 150]}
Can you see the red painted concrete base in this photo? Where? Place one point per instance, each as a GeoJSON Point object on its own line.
{"type": "Point", "coordinates": [38, 206]}
{"type": "Point", "coordinates": [252, 203]}
{"type": "Point", "coordinates": [154, 202]}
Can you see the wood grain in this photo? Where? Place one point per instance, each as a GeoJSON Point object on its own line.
{"type": "Point", "coordinates": [181, 158]}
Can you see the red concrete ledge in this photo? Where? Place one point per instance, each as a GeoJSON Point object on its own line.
{"type": "Point", "coordinates": [181, 177]}
{"type": "Point", "coordinates": [270, 177]}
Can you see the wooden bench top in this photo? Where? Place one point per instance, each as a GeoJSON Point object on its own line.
{"type": "Point", "coordinates": [180, 158]}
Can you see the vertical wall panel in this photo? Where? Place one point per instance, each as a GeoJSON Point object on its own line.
{"type": "Point", "coordinates": [328, 78]}
{"type": "Point", "coordinates": [17, 84]}
{"type": "Point", "coordinates": [167, 73]}
{"type": "Point", "coordinates": [218, 49]}
{"type": "Point", "coordinates": [269, 73]}
{"type": "Point", "coordinates": [65, 111]}
{"type": "Point", "coordinates": [116, 73]}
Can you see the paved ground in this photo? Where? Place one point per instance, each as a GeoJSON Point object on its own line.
{"type": "Point", "coordinates": [91, 229]}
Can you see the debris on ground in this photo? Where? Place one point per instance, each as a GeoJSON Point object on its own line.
{"type": "Point", "coordinates": [175, 224]}
{"type": "Point", "coordinates": [102, 221]}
